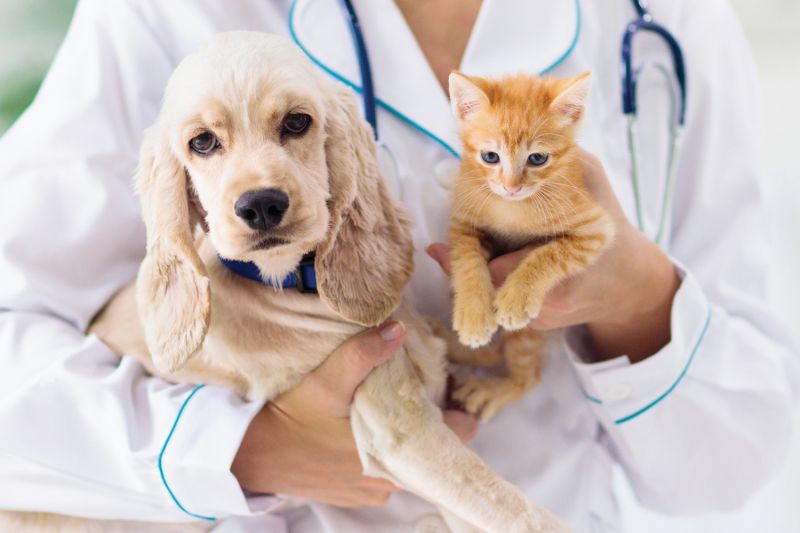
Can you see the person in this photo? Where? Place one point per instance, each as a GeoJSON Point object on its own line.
{"type": "Point", "coordinates": [666, 361]}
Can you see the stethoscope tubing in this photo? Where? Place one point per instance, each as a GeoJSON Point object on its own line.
{"type": "Point", "coordinates": [365, 70]}
{"type": "Point", "coordinates": [629, 78]}
{"type": "Point", "coordinates": [629, 74]}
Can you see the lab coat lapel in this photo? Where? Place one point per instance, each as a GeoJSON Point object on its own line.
{"type": "Point", "coordinates": [516, 36]}
{"type": "Point", "coordinates": [404, 83]}
{"type": "Point", "coordinates": [509, 36]}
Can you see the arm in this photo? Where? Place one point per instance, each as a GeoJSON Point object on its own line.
{"type": "Point", "coordinates": [715, 402]}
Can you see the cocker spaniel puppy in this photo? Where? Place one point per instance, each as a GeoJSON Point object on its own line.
{"type": "Point", "coordinates": [258, 158]}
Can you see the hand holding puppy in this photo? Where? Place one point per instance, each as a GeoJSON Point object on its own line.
{"type": "Point", "coordinates": [301, 444]}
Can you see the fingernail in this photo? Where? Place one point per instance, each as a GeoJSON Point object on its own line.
{"type": "Point", "coordinates": [391, 330]}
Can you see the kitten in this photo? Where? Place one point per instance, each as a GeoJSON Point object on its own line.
{"type": "Point", "coordinates": [520, 182]}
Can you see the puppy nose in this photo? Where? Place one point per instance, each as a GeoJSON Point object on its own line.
{"type": "Point", "coordinates": [262, 210]}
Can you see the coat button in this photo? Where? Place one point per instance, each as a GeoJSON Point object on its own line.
{"type": "Point", "coordinates": [618, 392]}
{"type": "Point", "coordinates": [432, 523]}
{"type": "Point", "coordinates": [446, 171]}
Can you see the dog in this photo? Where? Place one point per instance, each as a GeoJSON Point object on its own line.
{"type": "Point", "coordinates": [258, 158]}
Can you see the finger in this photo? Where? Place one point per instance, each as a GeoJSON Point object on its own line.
{"type": "Point", "coordinates": [374, 498]}
{"type": "Point", "coordinates": [378, 484]}
{"type": "Point", "coordinates": [593, 173]}
{"type": "Point", "coordinates": [354, 498]}
{"type": "Point", "coordinates": [344, 370]}
{"type": "Point", "coordinates": [441, 254]}
{"type": "Point", "coordinates": [463, 424]}
{"type": "Point", "coordinates": [346, 500]}
{"type": "Point", "coordinates": [503, 265]}
{"type": "Point", "coordinates": [596, 180]}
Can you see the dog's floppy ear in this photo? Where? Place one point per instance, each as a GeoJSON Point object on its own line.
{"type": "Point", "coordinates": [367, 258]}
{"type": "Point", "coordinates": [172, 288]}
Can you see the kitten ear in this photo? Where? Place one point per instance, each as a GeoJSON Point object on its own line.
{"type": "Point", "coordinates": [466, 98]}
{"type": "Point", "coordinates": [570, 104]}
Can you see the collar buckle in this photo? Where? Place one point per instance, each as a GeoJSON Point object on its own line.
{"type": "Point", "coordinates": [306, 267]}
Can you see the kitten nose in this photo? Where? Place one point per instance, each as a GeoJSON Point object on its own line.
{"type": "Point", "coordinates": [512, 190]}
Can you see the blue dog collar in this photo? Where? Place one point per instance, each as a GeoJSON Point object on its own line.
{"type": "Point", "coordinates": [304, 278]}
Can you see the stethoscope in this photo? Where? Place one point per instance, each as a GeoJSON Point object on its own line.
{"type": "Point", "coordinates": [643, 23]}
{"type": "Point", "coordinates": [386, 158]}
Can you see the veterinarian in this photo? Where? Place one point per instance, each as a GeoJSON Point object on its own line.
{"type": "Point", "coordinates": [670, 363]}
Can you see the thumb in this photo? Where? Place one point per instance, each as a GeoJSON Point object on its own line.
{"type": "Point", "coordinates": [441, 254]}
{"type": "Point", "coordinates": [463, 424]}
{"type": "Point", "coordinates": [596, 182]}
{"type": "Point", "coordinates": [343, 371]}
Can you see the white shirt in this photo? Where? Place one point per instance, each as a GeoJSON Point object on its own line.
{"type": "Point", "coordinates": [697, 427]}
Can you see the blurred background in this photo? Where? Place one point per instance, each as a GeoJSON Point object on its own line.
{"type": "Point", "coordinates": [30, 33]}
{"type": "Point", "coordinates": [31, 30]}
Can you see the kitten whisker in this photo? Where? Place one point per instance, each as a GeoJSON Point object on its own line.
{"type": "Point", "coordinates": [566, 185]}
{"type": "Point", "coordinates": [551, 134]}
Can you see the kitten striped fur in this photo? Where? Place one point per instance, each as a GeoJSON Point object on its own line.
{"type": "Point", "coordinates": [520, 182]}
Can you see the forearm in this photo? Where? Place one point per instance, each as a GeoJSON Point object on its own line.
{"type": "Point", "coordinates": [125, 440]}
{"type": "Point", "coordinates": [714, 403]}
{"type": "Point", "coordinates": [642, 326]}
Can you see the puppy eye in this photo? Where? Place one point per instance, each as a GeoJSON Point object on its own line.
{"type": "Point", "coordinates": [204, 144]}
{"type": "Point", "coordinates": [491, 158]}
{"type": "Point", "coordinates": [538, 159]}
{"type": "Point", "coordinates": [296, 123]}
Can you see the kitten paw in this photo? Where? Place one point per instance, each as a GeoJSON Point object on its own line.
{"type": "Point", "coordinates": [475, 325]}
{"type": "Point", "coordinates": [515, 308]}
{"type": "Point", "coordinates": [484, 397]}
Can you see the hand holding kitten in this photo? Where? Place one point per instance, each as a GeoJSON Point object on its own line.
{"type": "Point", "coordinates": [522, 199]}
{"type": "Point", "coordinates": [624, 298]}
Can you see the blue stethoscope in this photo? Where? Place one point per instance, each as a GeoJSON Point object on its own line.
{"type": "Point", "coordinates": [642, 23]}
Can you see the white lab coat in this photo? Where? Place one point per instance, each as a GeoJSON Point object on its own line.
{"type": "Point", "coordinates": [698, 426]}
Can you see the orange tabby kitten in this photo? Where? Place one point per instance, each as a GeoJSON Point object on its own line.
{"type": "Point", "coordinates": [520, 182]}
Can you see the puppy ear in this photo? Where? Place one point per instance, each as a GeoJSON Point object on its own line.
{"type": "Point", "coordinates": [570, 103]}
{"type": "Point", "coordinates": [466, 98]}
{"type": "Point", "coordinates": [367, 258]}
{"type": "Point", "coordinates": [172, 288]}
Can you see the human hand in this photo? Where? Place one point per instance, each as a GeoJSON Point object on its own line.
{"type": "Point", "coordinates": [624, 298]}
{"type": "Point", "coordinates": [301, 443]}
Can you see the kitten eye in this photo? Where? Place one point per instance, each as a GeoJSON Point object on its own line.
{"type": "Point", "coordinates": [538, 159]}
{"type": "Point", "coordinates": [295, 123]}
{"type": "Point", "coordinates": [204, 144]}
{"type": "Point", "coordinates": [490, 158]}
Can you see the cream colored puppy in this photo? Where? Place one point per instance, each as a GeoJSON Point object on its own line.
{"type": "Point", "coordinates": [258, 157]}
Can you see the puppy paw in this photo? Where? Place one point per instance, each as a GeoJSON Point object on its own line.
{"type": "Point", "coordinates": [484, 397]}
{"type": "Point", "coordinates": [515, 308]}
{"type": "Point", "coordinates": [536, 521]}
{"type": "Point", "coordinates": [475, 324]}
